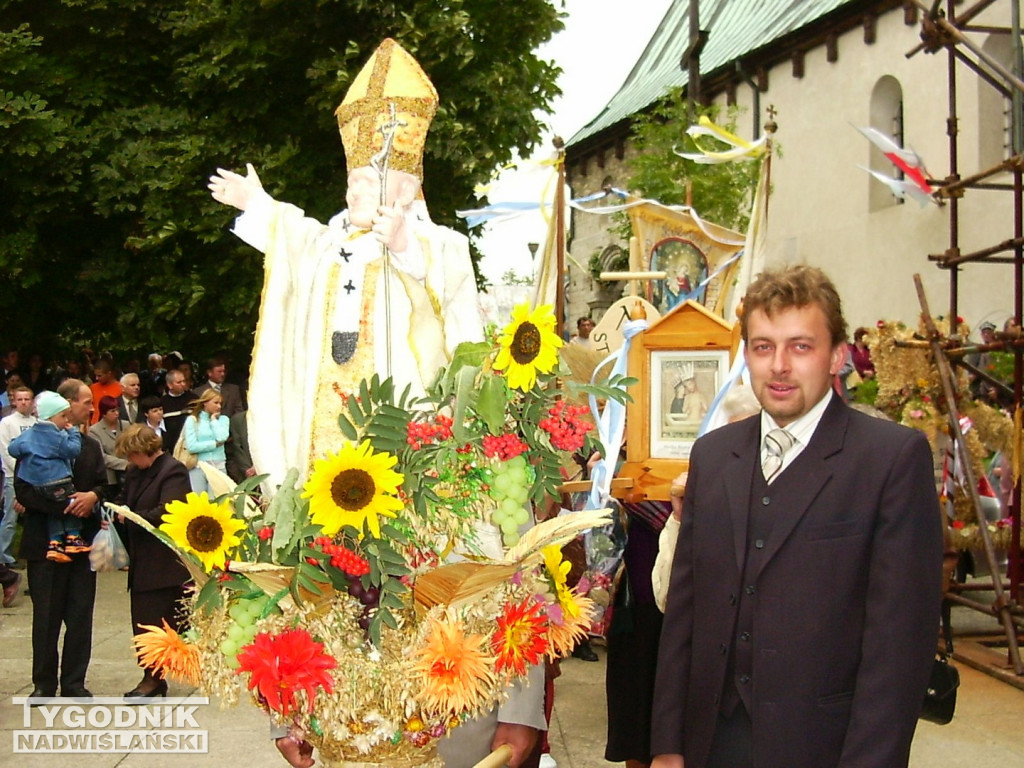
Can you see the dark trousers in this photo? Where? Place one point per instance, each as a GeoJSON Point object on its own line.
{"type": "Point", "coordinates": [62, 594]}
{"type": "Point", "coordinates": [154, 606]}
{"type": "Point", "coordinates": [731, 746]}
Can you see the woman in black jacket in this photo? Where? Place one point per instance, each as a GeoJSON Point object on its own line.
{"type": "Point", "coordinates": [156, 578]}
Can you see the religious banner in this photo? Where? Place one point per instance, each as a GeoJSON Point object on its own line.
{"type": "Point", "coordinates": [699, 258]}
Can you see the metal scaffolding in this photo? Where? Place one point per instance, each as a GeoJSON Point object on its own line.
{"type": "Point", "coordinates": [953, 29]}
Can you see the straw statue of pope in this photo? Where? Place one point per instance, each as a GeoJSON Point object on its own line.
{"type": "Point", "coordinates": [379, 289]}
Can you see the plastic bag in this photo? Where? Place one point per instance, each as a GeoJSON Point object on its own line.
{"type": "Point", "coordinates": [108, 552]}
{"type": "Point", "coordinates": [604, 548]}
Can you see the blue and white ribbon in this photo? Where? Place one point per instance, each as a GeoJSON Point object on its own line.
{"type": "Point", "coordinates": [611, 422]}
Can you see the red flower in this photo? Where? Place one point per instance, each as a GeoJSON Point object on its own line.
{"type": "Point", "coordinates": [957, 524]}
{"type": "Point", "coordinates": [280, 665]}
{"type": "Point", "coordinates": [519, 639]}
{"type": "Point", "coordinates": [266, 532]}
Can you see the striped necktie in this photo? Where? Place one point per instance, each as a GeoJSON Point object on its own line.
{"type": "Point", "coordinates": [776, 443]}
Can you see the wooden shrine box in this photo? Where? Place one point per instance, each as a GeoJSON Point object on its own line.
{"type": "Point", "coordinates": [682, 361]}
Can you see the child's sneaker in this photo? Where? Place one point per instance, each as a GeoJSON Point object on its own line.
{"type": "Point", "coordinates": [74, 544]}
{"type": "Point", "coordinates": [55, 553]}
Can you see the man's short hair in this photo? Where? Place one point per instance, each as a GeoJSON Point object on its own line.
{"type": "Point", "coordinates": [102, 366]}
{"type": "Point", "coordinates": [126, 379]}
{"type": "Point", "coordinates": [71, 389]}
{"type": "Point", "coordinates": [795, 287]}
{"type": "Point", "coordinates": [23, 388]}
{"type": "Point", "coordinates": [138, 438]}
{"type": "Point", "coordinates": [213, 362]}
{"type": "Point", "coordinates": [173, 373]}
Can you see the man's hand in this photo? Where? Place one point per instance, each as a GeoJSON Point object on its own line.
{"type": "Point", "coordinates": [250, 472]}
{"type": "Point", "coordinates": [82, 503]}
{"type": "Point", "coordinates": [296, 750]}
{"type": "Point", "coordinates": [389, 228]}
{"type": "Point", "coordinates": [19, 507]}
{"type": "Point", "coordinates": [676, 495]}
{"type": "Point", "coordinates": [668, 761]}
{"type": "Point", "coordinates": [520, 737]}
{"type": "Point", "coordinates": [234, 189]}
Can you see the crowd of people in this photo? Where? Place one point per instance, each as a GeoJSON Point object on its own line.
{"type": "Point", "coordinates": [88, 432]}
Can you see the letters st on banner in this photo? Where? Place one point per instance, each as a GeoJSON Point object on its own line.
{"type": "Point", "coordinates": [682, 361]}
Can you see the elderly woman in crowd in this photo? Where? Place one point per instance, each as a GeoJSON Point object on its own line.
{"type": "Point", "coordinates": [156, 578]}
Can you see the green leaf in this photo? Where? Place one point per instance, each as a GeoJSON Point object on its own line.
{"type": "Point", "coordinates": [492, 403]}
{"type": "Point", "coordinates": [209, 596]}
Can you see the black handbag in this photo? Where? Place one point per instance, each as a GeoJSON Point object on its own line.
{"type": "Point", "coordinates": [940, 696]}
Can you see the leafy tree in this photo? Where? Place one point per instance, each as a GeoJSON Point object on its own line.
{"type": "Point", "coordinates": [721, 193]}
{"type": "Point", "coordinates": [115, 112]}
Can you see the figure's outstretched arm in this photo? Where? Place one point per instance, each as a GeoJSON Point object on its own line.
{"type": "Point", "coordinates": [234, 189]}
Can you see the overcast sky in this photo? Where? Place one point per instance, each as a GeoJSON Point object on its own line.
{"type": "Point", "coordinates": [600, 44]}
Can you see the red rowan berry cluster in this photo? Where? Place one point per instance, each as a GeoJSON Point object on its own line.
{"type": "Point", "coordinates": [343, 558]}
{"type": "Point", "coordinates": [420, 433]}
{"type": "Point", "coordinates": [564, 425]}
{"type": "Point", "coordinates": [503, 447]}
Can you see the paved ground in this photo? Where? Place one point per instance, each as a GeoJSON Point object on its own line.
{"type": "Point", "coordinates": [985, 732]}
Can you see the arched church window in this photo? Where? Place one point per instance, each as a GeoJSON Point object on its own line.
{"type": "Point", "coordinates": [886, 116]}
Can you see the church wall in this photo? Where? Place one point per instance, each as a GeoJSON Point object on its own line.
{"type": "Point", "coordinates": [823, 210]}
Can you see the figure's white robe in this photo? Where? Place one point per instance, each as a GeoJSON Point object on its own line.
{"type": "Point", "coordinates": [325, 278]}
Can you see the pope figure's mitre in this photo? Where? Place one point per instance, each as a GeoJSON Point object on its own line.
{"type": "Point", "coordinates": [391, 76]}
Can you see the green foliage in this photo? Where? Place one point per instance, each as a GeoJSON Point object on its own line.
{"type": "Point", "coordinates": [115, 112]}
{"type": "Point", "coordinates": [866, 392]}
{"type": "Point", "coordinates": [721, 193]}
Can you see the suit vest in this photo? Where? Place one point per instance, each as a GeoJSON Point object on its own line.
{"type": "Point", "coordinates": [761, 515]}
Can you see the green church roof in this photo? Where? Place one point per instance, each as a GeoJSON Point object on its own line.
{"type": "Point", "coordinates": [737, 28]}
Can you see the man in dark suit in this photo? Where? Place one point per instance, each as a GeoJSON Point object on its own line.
{"type": "Point", "coordinates": [128, 401]}
{"type": "Point", "coordinates": [63, 593]}
{"type": "Point", "coordinates": [177, 403]}
{"type": "Point", "coordinates": [231, 395]}
{"type": "Point", "coordinates": [236, 449]}
{"type": "Point", "coordinates": [803, 606]}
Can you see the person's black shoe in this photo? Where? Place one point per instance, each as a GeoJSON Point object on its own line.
{"type": "Point", "coordinates": [138, 692]}
{"type": "Point", "coordinates": [39, 693]}
{"type": "Point", "coordinates": [80, 692]}
{"type": "Point", "coordinates": [584, 652]}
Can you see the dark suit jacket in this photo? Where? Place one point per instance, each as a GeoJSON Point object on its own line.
{"type": "Point", "coordinates": [847, 600]}
{"type": "Point", "coordinates": [176, 410]}
{"type": "Point", "coordinates": [231, 397]}
{"type": "Point", "coordinates": [122, 411]}
{"type": "Point", "coordinates": [236, 449]}
{"type": "Point", "coordinates": [146, 491]}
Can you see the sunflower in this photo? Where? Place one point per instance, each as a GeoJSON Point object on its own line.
{"type": "Point", "coordinates": [353, 486]}
{"type": "Point", "coordinates": [203, 528]}
{"type": "Point", "coordinates": [165, 650]}
{"type": "Point", "coordinates": [453, 668]}
{"type": "Point", "coordinates": [528, 345]}
{"type": "Point", "coordinates": [519, 639]}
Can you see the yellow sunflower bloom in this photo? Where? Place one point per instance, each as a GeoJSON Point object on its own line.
{"type": "Point", "coordinates": [527, 345]}
{"type": "Point", "coordinates": [205, 529]}
{"type": "Point", "coordinates": [353, 486]}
